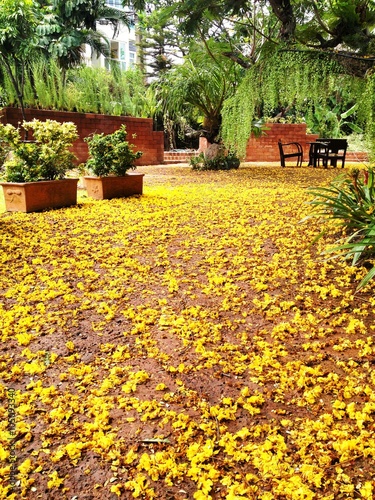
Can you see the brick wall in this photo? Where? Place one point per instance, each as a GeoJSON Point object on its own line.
{"type": "Point", "coordinates": [352, 156]}
{"type": "Point", "coordinates": [146, 140]}
{"type": "Point", "coordinates": [265, 148]}
{"type": "Point", "coordinates": [178, 157]}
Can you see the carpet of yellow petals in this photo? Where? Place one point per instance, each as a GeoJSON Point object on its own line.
{"type": "Point", "coordinates": [185, 344]}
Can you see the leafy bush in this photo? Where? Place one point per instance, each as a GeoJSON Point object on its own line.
{"type": "Point", "coordinates": [111, 154]}
{"type": "Point", "coordinates": [220, 162]}
{"type": "Point", "coordinates": [350, 199]}
{"type": "Point", "coordinates": [46, 157]}
{"type": "Point", "coordinates": [4, 152]}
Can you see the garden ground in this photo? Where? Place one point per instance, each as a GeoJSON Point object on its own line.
{"type": "Point", "coordinates": [189, 343]}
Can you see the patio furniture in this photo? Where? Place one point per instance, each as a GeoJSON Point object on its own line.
{"type": "Point", "coordinates": [315, 148]}
{"type": "Point", "coordinates": [329, 150]}
{"type": "Point", "coordinates": [290, 150]}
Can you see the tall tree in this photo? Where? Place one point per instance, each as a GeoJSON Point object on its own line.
{"type": "Point", "coordinates": [161, 42]}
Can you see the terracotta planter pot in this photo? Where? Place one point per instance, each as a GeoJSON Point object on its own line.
{"type": "Point", "coordinates": [105, 188]}
{"type": "Point", "coordinates": [37, 196]}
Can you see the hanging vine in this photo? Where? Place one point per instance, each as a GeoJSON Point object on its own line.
{"type": "Point", "coordinates": [285, 79]}
{"type": "Point", "coordinates": [367, 106]}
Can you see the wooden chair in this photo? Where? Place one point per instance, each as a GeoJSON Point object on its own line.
{"type": "Point", "coordinates": [290, 150]}
{"type": "Point", "coordinates": [331, 150]}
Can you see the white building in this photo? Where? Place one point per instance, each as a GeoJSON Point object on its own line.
{"type": "Point", "coordinates": [123, 43]}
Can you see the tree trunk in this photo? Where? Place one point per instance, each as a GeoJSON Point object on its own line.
{"type": "Point", "coordinates": [283, 10]}
{"type": "Point", "coordinates": [211, 128]}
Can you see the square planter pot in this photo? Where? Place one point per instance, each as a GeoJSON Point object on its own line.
{"type": "Point", "coordinates": [105, 188]}
{"type": "Point", "coordinates": [41, 195]}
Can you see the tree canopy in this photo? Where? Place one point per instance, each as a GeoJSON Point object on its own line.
{"type": "Point", "coordinates": [342, 29]}
{"type": "Point", "coordinates": [314, 58]}
{"type": "Point", "coordinates": [294, 54]}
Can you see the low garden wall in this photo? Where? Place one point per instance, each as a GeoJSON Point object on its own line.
{"type": "Point", "coordinates": [265, 148]}
{"type": "Point", "coordinates": [146, 139]}
{"type": "Point", "coordinates": [179, 156]}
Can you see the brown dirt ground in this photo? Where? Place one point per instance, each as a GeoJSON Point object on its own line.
{"type": "Point", "coordinates": [205, 384]}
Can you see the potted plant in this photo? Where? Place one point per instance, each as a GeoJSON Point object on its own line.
{"type": "Point", "coordinates": [34, 171]}
{"type": "Point", "coordinates": [110, 158]}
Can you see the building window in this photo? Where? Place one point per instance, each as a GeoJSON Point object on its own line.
{"type": "Point", "coordinates": [132, 47]}
{"type": "Point", "coordinates": [122, 51]}
{"type": "Point", "coordinates": [116, 4]}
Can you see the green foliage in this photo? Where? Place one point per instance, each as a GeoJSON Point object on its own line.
{"type": "Point", "coordinates": [67, 26]}
{"type": "Point", "coordinates": [198, 88]}
{"type": "Point", "coordinates": [367, 106]}
{"type": "Point", "coordinates": [357, 143]}
{"type": "Point", "coordinates": [337, 115]}
{"type": "Point", "coordinates": [47, 85]}
{"type": "Point", "coordinates": [96, 90]}
{"type": "Point", "coordinates": [350, 200]}
{"type": "Point", "coordinates": [347, 25]}
{"type": "Point", "coordinates": [84, 89]}
{"type": "Point", "coordinates": [18, 40]}
{"type": "Point", "coordinates": [280, 80]}
{"type": "Point", "coordinates": [4, 152]}
{"type": "Point", "coordinates": [57, 31]}
{"type": "Point", "coordinates": [111, 154]}
{"type": "Point", "coordinates": [159, 38]}
{"type": "Point", "coordinates": [47, 157]}
{"type": "Point", "coordinates": [220, 162]}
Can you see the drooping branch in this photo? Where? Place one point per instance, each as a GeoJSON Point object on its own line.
{"type": "Point", "coordinates": [237, 59]}
{"type": "Point", "coordinates": [320, 20]}
{"type": "Point", "coordinates": [209, 51]}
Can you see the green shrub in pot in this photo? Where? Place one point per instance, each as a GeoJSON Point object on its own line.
{"type": "Point", "coordinates": [111, 154]}
{"type": "Point", "coordinates": [46, 157]}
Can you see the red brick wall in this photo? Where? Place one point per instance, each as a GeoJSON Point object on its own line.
{"type": "Point", "coordinates": [178, 157]}
{"type": "Point", "coordinates": [353, 156]}
{"type": "Point", "coordinates": [265, 148]}
{"type": "Point", "coordinates": [146, 140]}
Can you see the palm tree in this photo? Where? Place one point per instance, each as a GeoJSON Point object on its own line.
{"type": "Point", "coordinates": [199, 86]}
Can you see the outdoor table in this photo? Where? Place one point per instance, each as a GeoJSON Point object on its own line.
{"type": "Point", "coordinates": [314, 148]}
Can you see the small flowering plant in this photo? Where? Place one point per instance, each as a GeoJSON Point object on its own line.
{"type": "Point", "coordinates": [46, 157]}
{"type": "Point", "coordinates": [111, 154]}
